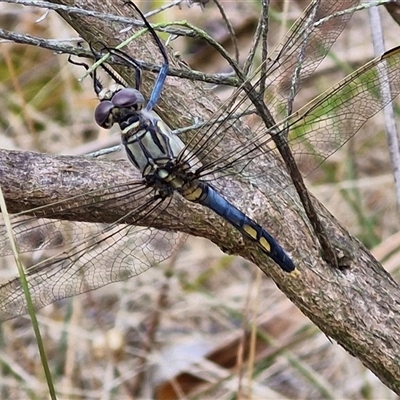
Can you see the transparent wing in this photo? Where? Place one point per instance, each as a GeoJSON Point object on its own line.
{"type": "Point", "coordinates": [304, 47]}
{"type": "Point", "coordinates": [318, 129]}
{"type": "Point", "coordinates": [115, 253]}
{"type": "Point", "coordinates": [329, 121]}
{"type": "Point", "coordinates": [40, 234]}
{"type": "Point", "coordinates": [72, 257]}
{"type": "Point", "coordinates": [35, 234]}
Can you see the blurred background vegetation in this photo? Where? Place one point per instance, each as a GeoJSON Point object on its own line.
{"type": "Point", "coordinates": [209, 323]}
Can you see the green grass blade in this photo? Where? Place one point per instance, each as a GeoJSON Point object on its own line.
{"type": "Point", "coordinates": [25, 286]}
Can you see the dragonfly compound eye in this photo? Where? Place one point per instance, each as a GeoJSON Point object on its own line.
{"type": "Point", "coordinates": [128, 97]}
{"type": "Point", "coordinates": [103, 114]}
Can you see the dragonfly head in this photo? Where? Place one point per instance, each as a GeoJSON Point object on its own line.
{"type": "Point", "coordinates": [117, 103]}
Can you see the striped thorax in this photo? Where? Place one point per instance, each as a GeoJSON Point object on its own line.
{"type": "Point", "coordinates": [148, 141]}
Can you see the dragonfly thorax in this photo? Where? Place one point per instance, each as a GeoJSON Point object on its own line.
{"type": "Point", "coordinates": [149, 142]}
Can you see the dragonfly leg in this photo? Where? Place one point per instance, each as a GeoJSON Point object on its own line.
{"type": "Point", "coordinates": [155, 94]}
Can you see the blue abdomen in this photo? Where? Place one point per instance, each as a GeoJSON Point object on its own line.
{"type": "Point", "coordinates": [246, 226]}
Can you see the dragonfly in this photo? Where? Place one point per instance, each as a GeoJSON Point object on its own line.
{"type": "Point", "coordinates": [107, 253]}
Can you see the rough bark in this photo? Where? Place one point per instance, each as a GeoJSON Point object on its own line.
{"type": "Point", "coordinates": [358, 307]}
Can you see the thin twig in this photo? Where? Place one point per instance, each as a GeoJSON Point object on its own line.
{"type": "Point", "coordinates": [388, 111]}
{"type": "Point", "coordinates": [230, 29]}
{"type": "Point", "coordinates": [61, 47]}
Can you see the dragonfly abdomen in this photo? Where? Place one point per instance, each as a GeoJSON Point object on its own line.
{"type": "Point", "coordinates": [247, 227]}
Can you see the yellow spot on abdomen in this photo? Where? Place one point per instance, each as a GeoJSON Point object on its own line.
{"type": "Point", "coordinates": [265, 244]}
{"type": "Point", "coordinates": [295, 273]}
{"type": "Point", "coordinates": [250, 231]}
{"type": "Point", "coordinates": [194, 195]}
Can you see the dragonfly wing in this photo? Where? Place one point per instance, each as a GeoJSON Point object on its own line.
{"type": "Point", "coordinates": [329, 121]}
{"type": "Point", "coordinates": [33, 234]}
{"type": "Point", "coordinates": [301, 51]}
{"type": "Point", "coordinates": [75, 257]}
{"type": "Point", "coordinates": [41, 234]}
{"type": "Point", "coordinates": [114, 254]}
{"type": "Point", "coordinates": [316, 131]}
